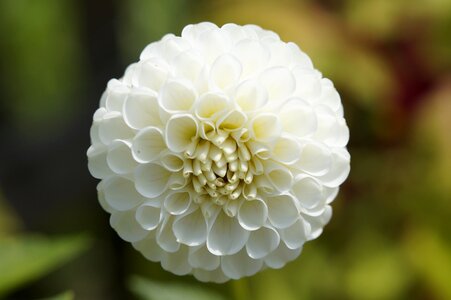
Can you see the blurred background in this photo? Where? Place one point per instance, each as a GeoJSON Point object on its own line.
{"type": "Point", "coordinates": [390, 237]}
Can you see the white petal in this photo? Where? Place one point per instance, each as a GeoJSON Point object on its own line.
{"type": "Point", "coordinates": [148, 144]}
{"type": "Point", "coordinates": [120, 193]}
{"type": "Point", "coordinates": [299, 57]}
{"type": "Point", "coordinates": [148, 216]}
{"type": "Point", "coordinates": [339, 170]}
{"type": "Point", "coordinates": [117, 92]}
{"type": "Point", "coordinates": [101, 197]}
{"type": "Point", "coordinates": [282, 210]}
{"type": "Point", "coordinates": [252, 214]}
{"type": "Point", "coordinates": [226, 236]}
{"type": "Point", "coordinates": [151, 179]}
{"type": "Point", "coordinates": [188, 64]}
{"type": "Point", "coordinates": [317, 223]}
{"type": "Point", "coordinates": [232, 121]}
{"type": "Point", "coordinates": [149, 248]}
{"type": "Point", "coordinates": [329, 95]}
{"type": "Point", "coordinates": [141, 110]}
{"type": "Point", "coordinates": [298, 118]}
{"type": "Point", "coordinates": [97, 163]}
{"type": "Point", "coordinates": [211, 105]}
{"type": "Point", "coordinates": [308, 83]}
{"type": "Point", "coordinates": [192, 32]}
{"type": "Point", "coordinates": [200, 257]}
{"type": "Point", "coordinates": [295, 235]}
{"type": "Point", "coordinates": [177, 203]}
{"type": "Point", "coordinates": [240, 265]}
{"type": "Point", "coordinates": [262, 242]}
{"type": "Point", "coordinates": [315, 159]}
{"type": "Point", "coordinates": [286, 150]}
{"type": "Point", "coordinates": [119, 157]}
{"type": "Point", "coordinates": [225, 71]}
{"type": "Point", "coordinates": [213, 43]}
{"type": "Point", "coordinates": [191, 229]}
{"type": "Point", "coordinates": [252, 54]}
{"type": "Point", "coordinates": [151, 73]}
{"type": "Point", "coordinates": [177, 262]}
{"type": "Point", "coordinates": [171, 161]}
{"type": "Point", "coordinates": [113, 127]}
{"type": "Point", "coordinates": [177, 96]}
{"type": "Point", "coordinates": [279, 82]}
{"type": "Point", "coordinates": [265, 127]}
{"type": "Point", "coordinates": [279, 176]}
{"type": "Point", "coordinates": [281, 54]}
{"type": "Point", "coordinates": [308, 192]}
{"type": "Point", "coordinates": [250, 95]}
{"type": "Point", "coordinates": [279, 257]}
{"type": "Point", "coordinates": [216, 276]}
{"type": "Point", "coordinates": [126, 226]}
{"type": "Point", "coordinates": [180, 132]}
{"type": "Point", "coordinates": [165, 236]}
{"type": "Point", "coordinates": [173, 46]}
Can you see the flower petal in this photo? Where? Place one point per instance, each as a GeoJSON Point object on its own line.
{"type": "Point", "coordinates": [119, 157]}
{"type": "Point", "coordinates": [177, 262]}
{"type": "Point", "coordinates": [148, 216]}
{"type": "Point", "coordinates": [148, 144]}
{"type": "Point", "coordinates": [240, 265]}
{"type": "Point", "coordinates": [141, 109]}
{"type": "Point", "coordinates": [165, 236]}
{"type": "Point", "coordinates": [265, 127]}
{"type": "Point", "coordinates": [339, 170]}
{"type": "Point", "coordinates": [216, 275]}
{"type": "Point", "coordinates": [211, 105]}
{"type": "Point", "coordinates": [252, 214]}
{"type": "Point", "coordinates": [298, 118]}
{"type": "Point", "coordinates": [282, 210]}
{"type": "Point", "coordinates": [252, 54]}
{"type": "Point", "coordinates": [180, 132]}
{"type": "Point", "coordinates": [151, 73]}
{"type": "Point", "coordinates": [97, 162]}
{"type": "Point", "coordinates": [200, 257]}
{"type": "Point", "coordinates": [151, 179]}
{"type": "Point", "coordinates": [226, 236]}
{"type": "Point", "coordinates": [191, 229]}
{"type": "Point", "coordinates": [177, 202]}
{"type": "Point", "coordinates": [308, 192]}
{"type": "Point", "coordinates": [126, 226]}
{"type": "Point", "coordinates": [113, 127]}
{"type": "Point", "coordinates": [315, 159]}
{"type": "Point", "coordinates": [149, 247]}
{"type": "Point", "coordinates": [177, 96]}
{"type": "Point", "coordinates": [317, 223]}
{"type": "Point", "coordinates": [262, 242]}
{"type": "Point", "coordinates": [279, 257]}
{"type": "Point", "coordinates": [225, 71]}
{"type": "Point", "coordinates": [286, 150]}
{"type": "Point", "coordinates": [120, 193]}
{"type": "Point", "coordinates": [279, 82]}
{"type": "Point", "coordinates": [295, 236]}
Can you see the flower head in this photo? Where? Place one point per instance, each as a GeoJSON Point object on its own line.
{"type": "Point", "coordinates": [220, 151]}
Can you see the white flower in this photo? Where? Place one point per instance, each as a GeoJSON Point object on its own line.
{"type": "Point", "coordinates": [219, 151]}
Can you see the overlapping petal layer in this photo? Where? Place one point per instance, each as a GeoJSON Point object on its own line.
{"type": "Point", "coordinates": [220, 151]}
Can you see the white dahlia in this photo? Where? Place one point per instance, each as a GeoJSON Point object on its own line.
{"type": "Point", "coordinates": [220, 151]}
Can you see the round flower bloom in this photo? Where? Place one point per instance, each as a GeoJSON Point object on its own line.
{"type": "Point", "coordinates": [220, 151]}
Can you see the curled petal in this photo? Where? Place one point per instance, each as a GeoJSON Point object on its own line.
{"type": "Point", "coordinates": [216, 275]}
{"type": "Point", "coordinates": [177, 262]}
{"type": "Point", "coordinates": [113, 127]}
{"type": "Point", "coordinates": [211, 105]}
{"type": "Point", "coordinates": [148, 144]}
{"type": "Point", "coordinates": [117, 93]}
{"type": "Point", "coordinates": [279, 257]}
{"type": "Point", "coordinates": [339, 171]}
{"type": "Point", "coordinates": [151, 179]}
{"type": "Point", "coordinates": [97, 161]}
{"type": "Point", "coordinates": [279, 83]}
{"type": "Point", "coordinates": [252, 214]}
{"type": "Point", "coordinates": [226, 236]}
{"type": "Point", "coordinates": [250, 95]}
{"type": "Point", "coordinates": [308, 192]}
{"type": "Point", "coordinates": [148, 216]}
{"type": "Point", "coordinates": [177, 203]}
{"type": "Point", "coordinates": [317, 223]}
{"type": "Point", "coordinates": [165, 236]}
{"type": "Point", "coordinates": [240, 264]}
{"type": "Point", "coordinates": [120, 193]}
{"type": "Point", "coordinates": [119, 157]}
{"type": "Point", "coordinates": [141, 109]}
{"type": "Point", "coordinates": [151, 73]}
{"type": "Point", "coordinates": [181, 130]}
{"type": "Point", "coordinates": [286, 150]}
{"type": "Point", "coordinates": [189, 64]}
{"type": "Point", "coordinates": [126, 226]}
{"type": "Point", "coordinates": [252, 54]}
{"type": "Point", "coordinates": [315, 159]}
{"type": "Point", "coordinates": [298, 118]}
{"type": "Point", "coordinates": [282, 210]}
{"type": "Point", "coordinates": [295, 236]}
{"type": "Point", "coordinates": [177, 96]}
{"type": "Point", "coordinates": [262, 242]}
{"type": "Point", "coordinates": [149, 247]}
{"type": "Point", "coordinates": [279, 176]}
{"type": "Point", "coordinates": [232, 121]}
{"type": "Point", "coordinates": [265, 127]}
{"type": "Point", "coordinates": [225, 71]}
{"type": "Point", "coordinates": [200, 257]}
{"type": "Point", "coordinates": [191, 229]}
{"type": "Point", "coordinates": [308, 83]}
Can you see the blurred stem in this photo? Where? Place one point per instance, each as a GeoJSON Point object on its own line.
{"type": "Point", "coordinates": [241, 289]}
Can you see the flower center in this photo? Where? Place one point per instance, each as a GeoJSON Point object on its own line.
{"type": "Point", "coordinates": [220, 169]}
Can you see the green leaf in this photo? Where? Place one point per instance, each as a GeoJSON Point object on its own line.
{"type": "Point", "coordinates": [150, 290]}
{"type": "Point", "coordinates": [26, 258]}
